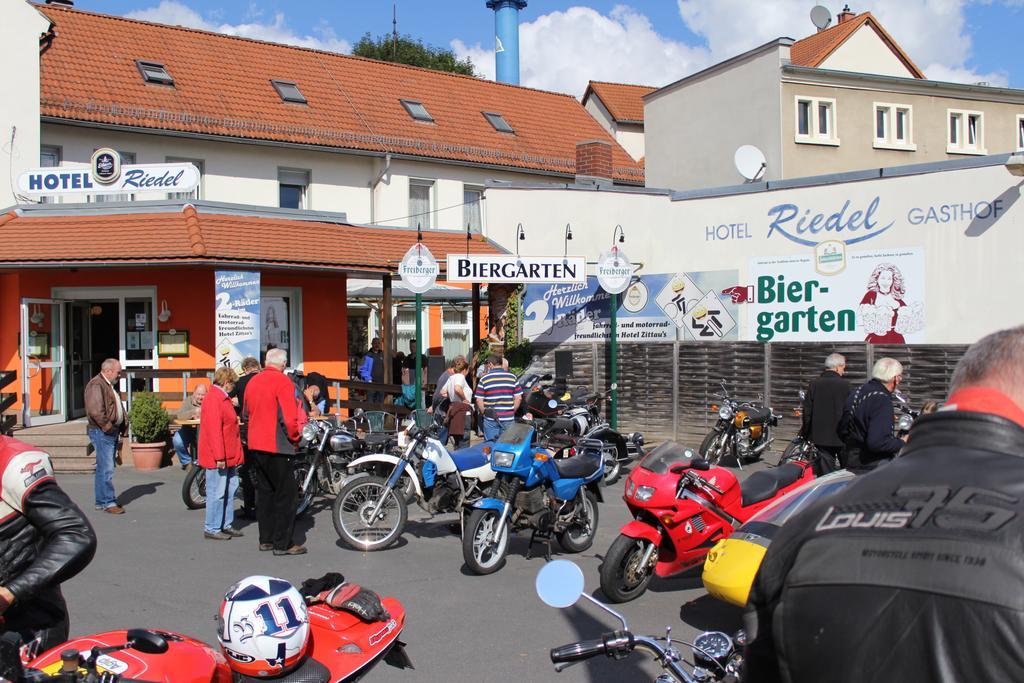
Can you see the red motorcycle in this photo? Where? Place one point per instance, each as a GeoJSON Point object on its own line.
{"type": "Point", "coordinates": [682, 506]}
{"type": "Point", "coordinates": [342, 646]}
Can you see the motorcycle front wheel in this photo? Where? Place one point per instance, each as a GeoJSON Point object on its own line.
{"type": "Point", "coordinates": [622, 577]}
{"type": "Point", "coordinates": [301, 470]}
{"type": "Point", "coordinates": [482, 552]}
{"type": "Point", "coordinates": [193, 489]}
{"type": "Point", "coordinates": [798, 450]}
{"type": "Point", "coordinates": [354, 506]}
{"type": "Point", "coordinates": [580, 535]}
{"type": "Point", "coordinates": [714, 446]}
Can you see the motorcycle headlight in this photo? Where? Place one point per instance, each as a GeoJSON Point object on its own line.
{"type": "Point", "coordinates": [310, 432]}
{"type": "Point", "coordinates": [725, 412]}
{"type": "Point", "coordinates": [502, 459]}
{"type": "Point", "coordinates": [630, 488]}
{"type": "Point", "coordinates": [905, 423]}
{"type": "Point", "coordinates": [644, 493]}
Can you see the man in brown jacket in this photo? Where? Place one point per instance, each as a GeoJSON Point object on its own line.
{"type": "Point", "coordinates": [108, 420]}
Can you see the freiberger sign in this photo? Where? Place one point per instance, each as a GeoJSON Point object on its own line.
{"type": "Point", "coordinates": [484, 268]}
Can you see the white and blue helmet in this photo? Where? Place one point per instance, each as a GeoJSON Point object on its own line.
{"type": "Point", "coordinates": [263, 626]}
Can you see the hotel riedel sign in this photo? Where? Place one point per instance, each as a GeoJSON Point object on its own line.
{"type": "Point", "coordinates": [106, 175]}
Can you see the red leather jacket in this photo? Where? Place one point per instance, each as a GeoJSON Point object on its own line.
{"type": "Point", "coordinates": [272, 413]}
{"type": "Point", "coordinates": [219, 434]}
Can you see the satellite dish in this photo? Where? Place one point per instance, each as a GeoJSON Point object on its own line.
{"type": "Point", "coordinates": [821, 17]}
{"type": "Point", "coordinates": [750, 162]}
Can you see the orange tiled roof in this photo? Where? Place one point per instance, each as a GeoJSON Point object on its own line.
{"type": "Point", "coordinates": [623, 101]}
{"type": "Point", "coordinates": [814, 49]}
{"type": "Point", "coordinates": [159, 236]}
{"type": "Point", "coordinates": [222, 88]}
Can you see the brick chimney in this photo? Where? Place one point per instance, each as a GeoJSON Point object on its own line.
{"type": "Point", "coordinates": [594, 162]}
{"type": "Point", "coordinates": [846, 14]}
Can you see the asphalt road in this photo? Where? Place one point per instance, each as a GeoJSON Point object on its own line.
{"type": "Point", "coordinates": [153, 568]}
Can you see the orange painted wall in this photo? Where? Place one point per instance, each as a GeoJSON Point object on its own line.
{"type": "Point", "coordinates": [434, 342]}
{"type": "Point", "coordinates": [189, 293]}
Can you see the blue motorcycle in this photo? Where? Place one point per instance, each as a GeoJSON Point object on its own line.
{"type": "Point", "coordinates": [534, 490]}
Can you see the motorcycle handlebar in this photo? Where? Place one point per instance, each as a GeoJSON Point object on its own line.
{"type": "Point", "coordinates": [575, 652]}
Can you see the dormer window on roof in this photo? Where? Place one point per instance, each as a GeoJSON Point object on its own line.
{"type": "Point", "coordinates": [498, 121]}
{"type": "Point", "coordinates": [154, 72]}
{"type": "Point", "coordinates": [417, 110]}
{"type": "Point", "coordinates": [289, 91]}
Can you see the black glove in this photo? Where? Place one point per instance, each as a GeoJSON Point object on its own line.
{"type": "Point", "coordinates": [312, 588]}
{"type": "Point", "coordinates": [359, 601]}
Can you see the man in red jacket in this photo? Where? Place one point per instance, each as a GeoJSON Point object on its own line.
{"type": "Point", "coordinates": [271, 410]}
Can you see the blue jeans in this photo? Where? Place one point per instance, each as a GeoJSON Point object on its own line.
{"type": "Point", "coordinates": [493, 428]}
{"type": "Point", "coordinates": [221, 485]}
{"type": "Point", "coordinates": [182, 441]}
{"type": "Point", "coordinates": [105, 446]}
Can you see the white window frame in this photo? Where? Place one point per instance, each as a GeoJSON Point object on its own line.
{"type": "Point", "coordinates": [961, 146]}
{"type": "Point", "coordinates": [305, 200]}
{"type": "Point", "coordinates": [58, 152]}
{"type": "Point", "coordinates": [294, 294]}
{"type": "Point", "coordinates": [409, 328]}
{"type": "Point", "coordinates": [889, 140]}
{"type": "Point", "coordinates": [427, 223]}
{"type": "Point", "coordinates": [1019, 132]}
{"type": "Point", "coordinates": [200, 164]}
{"type": "Point", "coordinates": [815, 136]}
{"type": "Point", "coordinates": [466, 327]}
{"type": "Point", "coordinates": [467, 187]}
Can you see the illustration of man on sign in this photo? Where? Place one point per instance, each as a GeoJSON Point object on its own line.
{"type": "Point", "coordinates": [884, 313]}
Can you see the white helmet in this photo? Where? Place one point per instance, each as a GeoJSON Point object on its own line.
{"type": "Point", "coordinates": [264, 626]}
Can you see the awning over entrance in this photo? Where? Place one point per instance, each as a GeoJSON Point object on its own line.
{"type": "Point", "coordinates": [210, 233]}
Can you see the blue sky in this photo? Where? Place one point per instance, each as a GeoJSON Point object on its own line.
{"type": "Point", "coordinates": [564, 44]}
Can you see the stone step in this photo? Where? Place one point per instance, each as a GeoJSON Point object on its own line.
{"type": "Point", "coordinates": [47, 441]}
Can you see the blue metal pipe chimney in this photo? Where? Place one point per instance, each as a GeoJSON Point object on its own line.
{"type": "Point", "coordinates": [506, 39]}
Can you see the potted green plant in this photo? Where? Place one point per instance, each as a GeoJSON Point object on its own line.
{"type": "Point", "coordinates": [149, 424]}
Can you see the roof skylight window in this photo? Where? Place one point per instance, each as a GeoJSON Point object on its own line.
{"type": "Point", "coordinates": [289, 91]}
{"type": "Point", "coordinates": [417, 111]}
{"type": "Point", "coordinates": [154, 72]}
{"type": "Point", "coordinates": [498, 121]}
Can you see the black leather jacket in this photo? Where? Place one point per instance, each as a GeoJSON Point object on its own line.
{"type": "Point", "coordinates": [913, 572]}
{"type": "Point", "coordinates": [43, 544]}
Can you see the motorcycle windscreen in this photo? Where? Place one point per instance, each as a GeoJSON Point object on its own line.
{"type": "Point", "coordinates": [662, 458]}
{"type": "Point", "coordinates": [781, 510]}
{"type": "Point", "coordinates": [516, 433]}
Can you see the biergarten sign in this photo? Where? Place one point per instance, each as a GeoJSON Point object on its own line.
{"type": "Point", "coordinates": [418, 269]}
{"type": "Point", "coordinates": [106, 175]}
{"type": "Point", "coordinates": [487, 268]}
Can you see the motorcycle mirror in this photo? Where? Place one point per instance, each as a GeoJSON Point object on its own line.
{"type": "Point", "coordinates": [148, 642]}
{"type": "Point", "coordinates": [560, 583]}
{"type": "Point", "coordinates": [546, 377]}
{"type": "Point", "coordinates": [552, 403]}
{"type": "Point", "coordinates": [700, 464]}
{"type": "Point", "coordinates": [677, 469]}
{"type": "Point", "coordinates": [359, 412]}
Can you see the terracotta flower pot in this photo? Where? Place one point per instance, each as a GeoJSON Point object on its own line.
{"type": "Point", "coordinates": [148, 456]}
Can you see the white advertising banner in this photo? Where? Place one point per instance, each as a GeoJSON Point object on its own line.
{"type": "Point", "coordinates": [59, 180]}
{"type": "Point", "coordinates": [486, 268]}
{"type": "Point", "coordinates": [878, 297]}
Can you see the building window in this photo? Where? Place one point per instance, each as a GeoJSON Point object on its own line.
{"type": "Point", "coordinates": [289, 91]}
{"type": "Point", "coordinates": [405, 328]}
{"type": "Point", "coordinates": [1020, 133]}
{"type": "Point", "coordinates": [420, 192]}
{"type": "Point", "coordinates": [126, 158]}
{"type": "Point", "coordinates": [293, 188]}
{"type": "Point", "coordinates": [154, 72]}
{"type": "Point", "coordinates": [816, 121]}
{"type": "Point", "coordinates": [966, 132]}
{"type": "Point", "coordinates": [417, 111]}
{"type": "Point", "coordinates": [893, 126]}
{"type": "Point", "coordinates": [471, 214]}
{"type": "Point", "coordinates": [498, 121]}
{"type": "Point", "coordinates": [196, 193]}
{"type": "Point", "coordinates": [455, 327]}
{"type": "Point", "coordinates": [49, 157]}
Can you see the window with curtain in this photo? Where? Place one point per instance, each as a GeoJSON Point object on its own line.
{"type": "Point", "coordinates": [49, 157]}
{"type": "Point", "coordinates": [419, 203]}
{"type": "Point", "coordinates": [471, 197]}
{"type": "Point", "coordinates": [405, 328]}
{"type": "Point", "coordinates": [455, 333]}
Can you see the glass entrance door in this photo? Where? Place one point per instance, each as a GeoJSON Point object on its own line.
{"type": "Point", "coordinates": [79, 355]}
{"type": "Point", "coordinates": [42, 362]}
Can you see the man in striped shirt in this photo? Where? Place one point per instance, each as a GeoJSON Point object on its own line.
{"type": "Point", "coordinates": [497, 390]}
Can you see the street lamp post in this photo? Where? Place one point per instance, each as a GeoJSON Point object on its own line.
{"type": "Point", "coordinates": [614, 370]}
{"type": "Point", "coordinates": [419, 336]}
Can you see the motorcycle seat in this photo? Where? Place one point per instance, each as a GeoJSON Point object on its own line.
{"type": "Point", "coordinates": [757, 413]}
{"type": "Point", "coordinates": [764, 484]}
{"type": "Point", "coordinates": [376, 439]}
{"type": "Point", "coordinates": [562, 424]}
{"type": "Point", "coordinates": [578, 466]}
{"type": "Point", "coordinates": [311, 671]}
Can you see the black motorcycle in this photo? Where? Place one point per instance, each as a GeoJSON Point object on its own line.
{"type": "Point", "coordinates": [743, 430]}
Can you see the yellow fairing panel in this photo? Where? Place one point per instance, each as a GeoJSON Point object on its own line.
{"type": "Point", "coordinates": [730, 569]}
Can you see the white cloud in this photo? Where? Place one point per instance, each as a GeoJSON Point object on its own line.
{"type": "Point", "coordinates": [931, 32]}
{"type": "Point", "coordinates": [276, 31]}
{"type": "Point", "coordinates": [561, 51]}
